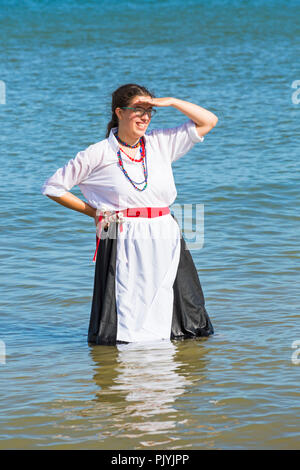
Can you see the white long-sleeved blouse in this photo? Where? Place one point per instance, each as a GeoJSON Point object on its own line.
{"type": "Point", "coordinates": [97, 173]}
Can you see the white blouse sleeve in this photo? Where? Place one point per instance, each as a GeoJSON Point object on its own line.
{"type": "Point", "coordinates": [177, 141]}
{"type": "Point", "coordinates": [75, 171]}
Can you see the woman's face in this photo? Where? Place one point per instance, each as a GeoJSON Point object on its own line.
{"type": "Point", "coordinates": [131, 122]}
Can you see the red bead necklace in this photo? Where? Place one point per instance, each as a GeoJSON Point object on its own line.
{"type": "Point", "coordinates": [134, 159]}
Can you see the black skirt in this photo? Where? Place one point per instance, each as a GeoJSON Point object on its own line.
{"type": "Point", "coordinates": [190, 318]}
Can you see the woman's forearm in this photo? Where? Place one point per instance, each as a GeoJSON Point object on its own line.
{"type": "Point", "coordinates": [199, 115]}
{"type": "Point", "coordinates": [72, 202]}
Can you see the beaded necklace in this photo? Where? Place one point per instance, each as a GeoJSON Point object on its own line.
{"type": "Point", "coordinates": [131, 158]}
{"type": "Point", "coordinates": [144, 164]}
{"type": "Point", "coordinates": [127, 145]}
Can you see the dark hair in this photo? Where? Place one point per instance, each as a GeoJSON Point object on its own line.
{"type": "Point", "coordinates": [122, 97]}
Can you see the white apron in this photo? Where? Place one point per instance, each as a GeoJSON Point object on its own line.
{"type": "Point", "coordinates": [148, 253]}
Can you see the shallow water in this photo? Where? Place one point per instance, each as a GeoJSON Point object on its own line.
{"type": "Point", "coordinates": [237, 389]}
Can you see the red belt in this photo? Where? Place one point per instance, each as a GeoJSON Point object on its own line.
{"type": "Point", "coordinates": [148, 212]}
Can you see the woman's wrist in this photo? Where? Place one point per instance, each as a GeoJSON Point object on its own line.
{"type": "Point", "coordinates": [89, 210]}
{"type": "Point", "coordinates": [174, 101]}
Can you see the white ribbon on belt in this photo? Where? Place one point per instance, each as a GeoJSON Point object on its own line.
{"type": "Point", "coordinates": [107, 216]}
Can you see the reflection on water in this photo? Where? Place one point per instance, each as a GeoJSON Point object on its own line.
{"type": "Point", "coordinates": [147, 375]}
{"type": "Point", "coordinates": [139, 384]}
{"type": "Point", "coordinates": [164, 395]}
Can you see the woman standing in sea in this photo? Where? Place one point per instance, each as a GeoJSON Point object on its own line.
{"type": "Point", "coordinates": [146, 286]}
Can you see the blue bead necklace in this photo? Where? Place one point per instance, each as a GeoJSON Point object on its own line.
{"type": "Point", "coordinates": [125, 144]}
